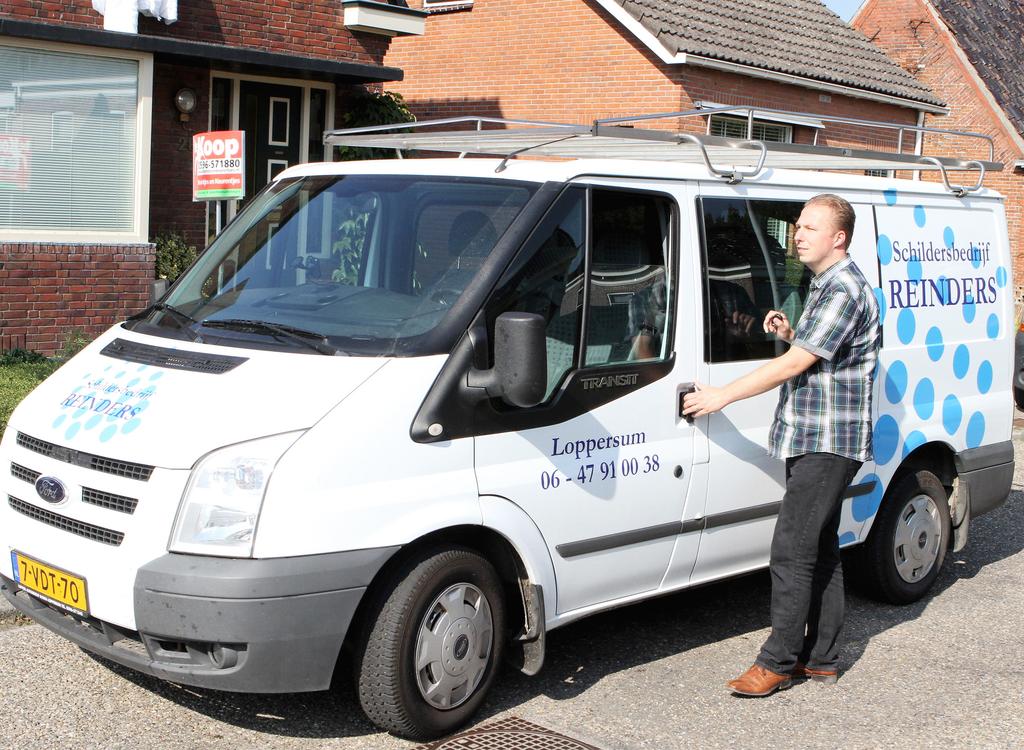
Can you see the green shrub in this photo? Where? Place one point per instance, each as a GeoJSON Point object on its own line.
{"type": "Point", "coordinates": [20, 356]}
{"type": "Point", "coordinates": [16, 380]}
{"type": "Point", "coordinates": [173, 255]}
{"type": "Point", "coordinates": [365, 108]}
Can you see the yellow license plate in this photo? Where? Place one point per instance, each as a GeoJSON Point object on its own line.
{"type": "Point", "coordinates": [52, 584]}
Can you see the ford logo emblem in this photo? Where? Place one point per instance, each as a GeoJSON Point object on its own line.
{"type": "Point", "coordinates": [51, 490]}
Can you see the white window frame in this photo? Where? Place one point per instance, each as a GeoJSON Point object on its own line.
{"type": "Point", "coordinates": [785, 130]}
{"type": "Point", "coordinates": [55, 118]}
{"type": "Point", "coordinates": [437, 6]}
{"type": "Point", "coordinates": [143, 140]}
{"type": "Point", "coordinates": [274, 100]}
{"type": "Point", "coordinates": [271, 163]}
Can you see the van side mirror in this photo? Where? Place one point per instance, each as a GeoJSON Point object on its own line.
{"type": "Point", "coordinates": [520, 372]}
{"type": "Point", "coordinates": [157, 289]}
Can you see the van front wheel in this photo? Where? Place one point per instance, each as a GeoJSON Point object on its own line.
{"type": "Point", "coordinates": [908, 544]}
{"type": "Point", "coordinates": [433, 645]}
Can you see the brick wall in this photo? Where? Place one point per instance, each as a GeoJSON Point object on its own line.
{"type": "Point", "coordinates": [909, 32]}
{"type": "Point", "coordinates": [170, 185]}
{"type": "Point", "coordinates": [573, 62]}
{"type": "Point", "coordinates": [313, 28]}
{"type": "Point", "coordinates": [48, 290]}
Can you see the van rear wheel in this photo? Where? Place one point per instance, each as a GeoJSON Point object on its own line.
{"type": "Point", "coordinates": [908, 543]}
{"type": "Point", "coordinates": [433, 644]}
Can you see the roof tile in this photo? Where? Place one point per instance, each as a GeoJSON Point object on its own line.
{"type": "Point", "coordinates": [991, 34]}
{"type": "Point", "coordinates": [799, 37]}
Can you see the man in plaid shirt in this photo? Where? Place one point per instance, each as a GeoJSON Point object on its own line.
{"type": "Point", "coordinates": [822, 429]}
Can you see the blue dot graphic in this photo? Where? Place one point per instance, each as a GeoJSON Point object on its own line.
{"type": "Point", "coordinates": [120, 375]}
{"type": "Point", "coordinates": [952, 414]}
{"type": "Point", "coordinates": [992, 327]}
{"type": "Point", "coordinates": [924, 399]}
{"type": "Point", "coordinates": [885, 439]}
{"type": "Point", "coordinates": [1001, 277]}
{"type": "Point", "coordinates": [131, 425]}
{"type": "Point", "coordinates": [975, 257]}
{"type": "Point", "coordinates": [132, 382]}
{"type": "Point", "coordinates": [914, 271]}
{"type": "Point", "coordinates": [970, 309]}
{"type": "Point", "coordinates": [919, 216]}
{"type": "Point", "coordinates": [72, 430]}
{"type": "Point", "coordinates": [864, 506]}
{"type": "Point", "coordinates": [975, 430]}
{"type": "Point", "coordinates": [847, 537]}
{"type": "Point", "coordinates": [961, 361]}
{"type": "Point", "coordinates": [914, 441]}
{"type": "Point", "coordinates": [905, 325]}
{"type": "Point", "coordinates": [948, 237]}
{"type": "Point", "coordinates": [59, 421]}
{"type": "Point", "coordinates": [93, 421]}
{"type": "Point", "coordinates": [880, 299]}
{"type": "Point", "coordinates": [890, 196]}
{"type": "Point", "coordinates": [155, 376]}
{"type": "Point", "coordinates": [108, 432]}
{"type": "Point", "coordinates": [933, 340]}
{"type": "Point", "coordinates": [984, 376]}
{"type": "Point", "coordinates": [142, 367]}
{"type": "Point", "coordinates": [896, 382]}
{"type": "Point", "coordinates": [884, 250]}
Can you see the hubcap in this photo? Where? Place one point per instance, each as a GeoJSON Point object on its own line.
{"type": "Point", "coordinates": [918, 538]}
{"type": "Point", "coordinates": [453, 646]}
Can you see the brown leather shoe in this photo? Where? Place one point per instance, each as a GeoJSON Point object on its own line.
{"type": "Point", "coordinates": [825, 676]}
{"type": "Point", "coordinates": [757, 682]}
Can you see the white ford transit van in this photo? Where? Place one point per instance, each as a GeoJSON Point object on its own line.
{"type": "Point", "coordinates": [420, 412]}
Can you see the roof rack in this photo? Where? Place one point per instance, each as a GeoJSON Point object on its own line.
{"type": "Point", "coordinates": [731, 159]}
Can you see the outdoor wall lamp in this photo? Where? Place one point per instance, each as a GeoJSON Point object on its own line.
{"type": "Point", "coordinates": [185, 101]}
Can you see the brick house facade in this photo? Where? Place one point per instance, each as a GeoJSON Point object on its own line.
{"type": "Point", "coordinates": [969, 54]}
{"type": "Point", "coordinates": [585, 59]}
{"type": "Point", "coordinates": [236, 56]}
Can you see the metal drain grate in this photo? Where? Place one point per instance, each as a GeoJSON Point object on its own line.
{"type": "Point", "coordinates": [509, 734]}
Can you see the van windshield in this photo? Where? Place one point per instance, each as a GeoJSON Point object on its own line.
{"type": "Point", "coordinates": [354, 264]}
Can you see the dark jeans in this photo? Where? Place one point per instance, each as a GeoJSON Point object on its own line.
{"type": "Point", "coordinates": [807, 576]}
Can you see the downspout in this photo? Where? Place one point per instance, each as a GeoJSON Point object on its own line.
{"type": "Point", "coordinates": [919, 141]}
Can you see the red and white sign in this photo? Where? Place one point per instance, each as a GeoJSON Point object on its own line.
{"type": "Point", "coordinates": [14, 161]}
{"type": "Point", "coordinates": [218, 165]}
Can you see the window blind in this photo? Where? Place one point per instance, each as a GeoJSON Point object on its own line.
{"type": "Point", "coordinates": [67, 141]}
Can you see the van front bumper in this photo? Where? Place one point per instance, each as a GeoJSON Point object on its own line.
{"type": "Point", "coordinates": [253, 626]}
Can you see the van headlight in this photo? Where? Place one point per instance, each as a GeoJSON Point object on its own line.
{"type": "Point", "coordinates": [222, 501]}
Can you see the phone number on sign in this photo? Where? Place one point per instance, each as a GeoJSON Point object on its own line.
{"type": "Point", "coordinates": [603, 471]}
{"type": "Point", "coordinates": [206, 165]}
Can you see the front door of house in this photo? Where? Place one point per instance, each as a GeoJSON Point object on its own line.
{"type": "Point", "coordinates": [271, 116]}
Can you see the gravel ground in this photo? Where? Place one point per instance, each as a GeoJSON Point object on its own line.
{"type": "Point", "coordinates": [937, 674]}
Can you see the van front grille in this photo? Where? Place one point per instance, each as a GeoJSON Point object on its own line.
{"type": "Point", "coordinates": [26, 475]}
{"type": "Point", "coordinates": [87, 530]}
{"type": "Point", "coordinates": [141, 472]}
{"type": "Point", "coordinates": [109, 500]}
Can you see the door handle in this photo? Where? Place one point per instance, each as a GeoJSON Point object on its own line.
{"type": "Point", "coordinates": [684, 389]}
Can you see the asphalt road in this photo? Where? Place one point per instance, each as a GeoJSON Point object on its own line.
{"type": "Point", "coordinates": [941, 673]}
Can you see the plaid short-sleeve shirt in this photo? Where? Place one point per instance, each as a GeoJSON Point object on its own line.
{"type": "Point", "coordinates": [827, 408]}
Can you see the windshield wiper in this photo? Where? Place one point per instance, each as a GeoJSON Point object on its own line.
{"type": "Point", "coordinates": [184, 319]}
{"type": "Point", "coordinates": [311, 339]}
